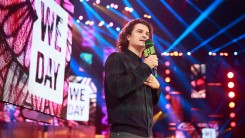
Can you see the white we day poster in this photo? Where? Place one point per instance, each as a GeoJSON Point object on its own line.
{"type": "Point", "coordinates": [47, 66]}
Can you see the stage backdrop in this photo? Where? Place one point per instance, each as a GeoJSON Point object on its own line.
{"type": "Point", "coordinates": [35, 52]}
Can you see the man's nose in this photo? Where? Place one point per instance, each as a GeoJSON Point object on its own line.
{"type": "Point", "coordinates": [145, 36]}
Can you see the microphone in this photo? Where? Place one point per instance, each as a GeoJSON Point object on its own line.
{"type": "Point", "coordinates": [150, 50]}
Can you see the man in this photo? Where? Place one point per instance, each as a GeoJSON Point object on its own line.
{"type": "Point", "coordinates": [131, 90]}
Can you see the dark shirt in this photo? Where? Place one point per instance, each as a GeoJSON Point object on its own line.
{"type": "Point", "coordinates": [129, 101]}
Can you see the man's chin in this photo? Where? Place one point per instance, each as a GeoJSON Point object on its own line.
{"type": "Point", "coordinates": [142, 45]}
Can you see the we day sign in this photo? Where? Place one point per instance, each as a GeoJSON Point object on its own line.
{"type": "Point", "coordinates": [47, 66]}
{"type": "Point", "coordinates": [79, 99]}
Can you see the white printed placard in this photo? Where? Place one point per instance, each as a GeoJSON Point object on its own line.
{"type": "Point", "coordinates": [47, 60]}
{"type": "Point", "coordinates": [208, 133]}
{"type": "Point", "coordinates": [78, 102]}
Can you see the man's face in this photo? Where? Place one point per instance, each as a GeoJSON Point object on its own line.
{"type": "Point", "coordinates": [138, 36]}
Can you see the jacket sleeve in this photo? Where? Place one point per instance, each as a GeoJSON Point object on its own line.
{"type": "Point", "coordinates": [156, 95]}
{"type": "Point", "coordinates": [119, 80]}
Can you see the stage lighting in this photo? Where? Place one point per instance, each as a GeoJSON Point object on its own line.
{"type": "Point", "coordinates": [167, 88]}
{"type": "Point", "coordinates": [176, 53]}
{"type": "Point", "coordinates": [87, 22]}
{"type": "Point", "coordinates": [118, 29]}
{"type": "Point", "coordinates": [115, 6]}
{"type": "Point", "coordinates": [233, 124]}
{"type": "Point", "coordinates": [101, 23]}
{"type": "Point", "coordinates": [167, 71]}
{"type": "Point", "coordinates": [167, 106]}
{"type": "Point", "coordinates": [131, 9]}
{"type": "Point", "coordinates": [97, 1]}
{"type": "Point", "coordinates": [87, 57]}
{"type": "Point", "coordinates": [231, 94]}
{"type": "Point", "coordinates": [223, 54]}
{"type": "Point", "coordinates": [167, 63]}
{"type": "Point", "coordinates": [232, 115]}
{"type": "Point", "coordinates": [91, 23]}
{"type": "Point", "coordinates": [231, 84]}
{"type": "Point", "coordinates": [167, 96]}
{"type": "Point", "coordinates": [180, 54]}
{"type": "Point", "coordinates": [167, 79]}
{"type": "Point", "coordinates": [112, 5]}
{"type": "Point", "coordinates": [230, 75]}
{"type": "Point", "coordinates": [111, 24]}
{"type": "Point", "coordinates": [128, 9]}
{"type": "Point", "coordinates": [80, 17]}
{"type": "Point", "coordinates": [231, 104]}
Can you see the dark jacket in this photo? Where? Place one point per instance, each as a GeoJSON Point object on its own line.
{"type": "Point", "coordinates": [129, 101]}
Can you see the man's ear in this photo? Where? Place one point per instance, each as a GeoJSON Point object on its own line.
{"type": "Point", "coordinates": [128, 37]}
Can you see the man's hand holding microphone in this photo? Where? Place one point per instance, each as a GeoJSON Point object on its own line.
{"type": "Point", "coordinates": [152, 61]}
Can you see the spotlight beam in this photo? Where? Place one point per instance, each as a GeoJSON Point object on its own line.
{"type": "Point", "coordinates": [112, 13]}
{"type": "Point", "coordinates": [196, 23]}
{"type": "Point", "coordinates": [162, 41]}
{"type": "Point", "coordinates": [106, 33]}
{"type": "Point", "coordinates": [161, 26]}
{"type": "Point", "coordinates": [98, 37]}
{"type": "Point", "coordinates": [120, 14]}
{"type": "Point", "coordinates": [102, 41]}
{"type": "Point", "coordinates": [220, 32]}
{"type": "Point", "coordinates": [181, 20]}
{"type": "Point", "coordinates": [97, 16]}
{"type": "Point", "coordinates": [231, 42]}
{"type": "Point", "coordinates": [87, 7]}
{"type": "Point", "coordinates": [91, 10]}
{"type": "Point", "coordinates": [135, 14]}
{"type": "Point", "coordinates": [241, 51]}
{"type": "Point", "coordinates": [215, 24]}
{"type": "Point", "coordinates": [74, 65]}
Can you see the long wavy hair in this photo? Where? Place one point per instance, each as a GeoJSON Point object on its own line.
{"type": "Point", "coordinates": [122, 42]}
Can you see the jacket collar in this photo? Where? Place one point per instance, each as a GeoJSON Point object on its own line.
{"type": "Point", "coordinates": [133, 55]}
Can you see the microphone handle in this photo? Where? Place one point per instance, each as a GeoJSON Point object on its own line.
{"type": "Point", "coordinates": [155, 72]}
